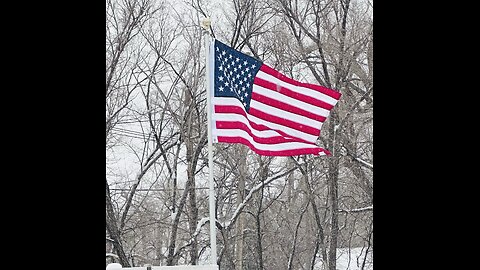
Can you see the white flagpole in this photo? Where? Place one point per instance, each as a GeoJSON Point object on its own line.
{"type": "Point", "coordinates": [211, 196]}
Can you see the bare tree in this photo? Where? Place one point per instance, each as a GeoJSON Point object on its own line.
{"type": "Point", "coordinates": [271, 213]}
{"type": "Point", "coordinates": [130, 78]}
{"type": "Point", "coordinates": [123, 22]}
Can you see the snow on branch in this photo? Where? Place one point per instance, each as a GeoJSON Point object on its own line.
{"type": "Point", "coordinates": [345, 151]}
{"type": "Point", "coordinates": [240, 207]}
{"type": "Point", "coordinates": [200, 224]}
{"type": "Point", "coordinates": [364, 162]}
{"type": "Point", "coordinates": [112, 255]}
{"type": "Point", "coordinates": [356, 210]}
{"type": "Point", "coordinates": [256, 188]}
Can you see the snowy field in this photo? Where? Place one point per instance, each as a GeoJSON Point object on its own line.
{"type": "Point", "coordinates": [352, 261]}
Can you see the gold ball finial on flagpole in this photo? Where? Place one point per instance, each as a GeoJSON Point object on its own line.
{"type": "Point", "coordinates": [205, 23]}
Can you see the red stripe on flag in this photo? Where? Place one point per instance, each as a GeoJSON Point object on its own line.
{"type": "Point", "coordinates": [238, 110]}
{"type": "Point", "coordinates": [327, 91]}
{"type": "Point", "coordinates": [262, 140]}
{"type": "Point", "coordinates": [292, 152]}
{"type": "Point", "coordinates": [286, 107]}
{"type": "Point", "coordinates": [284, 122]}
{"type": "Point", "coordinates": [295, 95]}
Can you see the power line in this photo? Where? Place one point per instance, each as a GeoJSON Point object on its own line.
{"type": "Point", "coordinates": [135, 134]}
{"type": "Point", "coordinates": [153, 189]}
{"type": "Point", "coordinates": [135, 137]}
{"type": "Point", "coordinates": [130, 133]}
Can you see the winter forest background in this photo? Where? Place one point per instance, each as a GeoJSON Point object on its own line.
{"type": "Point", "coordinates": [299, 212]}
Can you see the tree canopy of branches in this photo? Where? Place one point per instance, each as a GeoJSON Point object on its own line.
{"type": "Point", "coordinates": [271, 212]}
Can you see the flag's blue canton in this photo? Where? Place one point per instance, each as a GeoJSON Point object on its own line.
{"type": "Point", "coordinates": [234, 74]}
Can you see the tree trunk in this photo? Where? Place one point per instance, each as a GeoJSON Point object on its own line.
{"type": "Point", "coordinates": [176, 221]}
{"type": "Point", "coordinates": [241, 218]}
{"type": "Point", "coordinates": [332, 179]}
{"type": "Point", "coordinates": [332, 176]}
{"type": "Point", "coordinates": [113, 230]}
{"type": "Point", "coordinates": [263, 176]}
{"type": "Point", "coordinates": [193, 213]}
{"type": "Point", "coordinates": [291, 194]}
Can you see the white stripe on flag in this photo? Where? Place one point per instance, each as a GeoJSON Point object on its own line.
{"type": "Point", "coordinates": [230, 117]}
{"type": "Point", "coordinates": [235, 102]}
{"type": "Point", "coordinates": [299, 89]}
{"type": "Point", "coordinates": [290, 101]}
{"type": "Point", "coordinates": [267, 147]}
{"type": "Point", "coordinates": [302, 120]}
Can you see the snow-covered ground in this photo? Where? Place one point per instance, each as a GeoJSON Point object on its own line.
{"type": "Point", "coordinates": [348, 259]}
{"type": "Point", "coordinates": [352, 260]}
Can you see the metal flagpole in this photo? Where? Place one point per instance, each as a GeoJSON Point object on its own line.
{"type": "Point", "coordinates": [211, 196]}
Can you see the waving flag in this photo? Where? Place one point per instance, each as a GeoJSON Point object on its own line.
{"type": "Point", "coordinates": [257, 106]}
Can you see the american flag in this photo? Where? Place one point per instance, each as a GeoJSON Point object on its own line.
{"type": "Point", "coordinates": [257, 106]}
